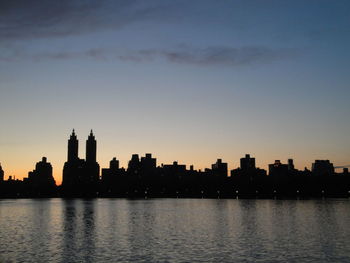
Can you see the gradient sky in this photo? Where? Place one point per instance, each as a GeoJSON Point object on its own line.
{"type": "Point", "coordinates": [190, 81]}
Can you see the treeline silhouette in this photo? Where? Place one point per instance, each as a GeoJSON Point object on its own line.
{"type": "Point", "coordinates": [144, 179]}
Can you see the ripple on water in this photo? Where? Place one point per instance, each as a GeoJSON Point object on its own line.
{"type": "Point", "coordinates": [174, 230]}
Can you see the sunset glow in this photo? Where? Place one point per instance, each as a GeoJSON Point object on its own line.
{"type": "Point", "coordinates": [190, 81]}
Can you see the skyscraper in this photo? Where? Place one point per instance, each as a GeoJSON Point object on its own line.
{"type": "Point", "coordinates": [73, 148]}
{"type": "Point", "coordinates": [72, 168]}
{"type": "Point", "coordinates": [81, 176]}
{"type": "Point", "coordinates": [91, 167]}
{"type": "Point", "coordinates": [1, 174]}
{"type": "Point", "coordinates": [91, 148]}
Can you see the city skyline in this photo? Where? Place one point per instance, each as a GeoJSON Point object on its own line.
{"type": "Point", "coordinates": [144, 177]}
{"type": "Point", "coordinates": [194, 80]}
{"type": "Point", "coordinates": [74, 150]}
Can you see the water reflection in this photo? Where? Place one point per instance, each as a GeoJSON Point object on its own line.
{"type": "Point", "coordinates": [174, 230]}
{"type": "Point", "coordinates": [78, 230]}
{"type": "Point", "coordinates": [69, 228]}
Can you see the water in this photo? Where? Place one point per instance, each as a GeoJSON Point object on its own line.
{"type": "Point", "coordinates": [174, 230]}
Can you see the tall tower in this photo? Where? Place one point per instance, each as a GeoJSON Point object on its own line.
{"type": "Point", "coordinates": [81, 177]}
{"type": "Point", "coordinates": [92, 168]}
{"type": "Point", "coordinates": [71, 168]}
{"type": "Point", "coordinates": [91, 148]}
{"type": "Point", "coordinates": [1, 174]}
{"type": "Point", "coordinates": [73, 148]}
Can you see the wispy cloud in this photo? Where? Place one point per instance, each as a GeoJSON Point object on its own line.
{"type": "Point", "coordinates": [23, 19]}
{"type": "Point", "coordinates": [215, 55]}
{"type": "Point", "coordinates": [209, 56]}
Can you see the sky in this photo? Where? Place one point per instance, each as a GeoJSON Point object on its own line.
{"type": "Point", "coordinates": [188, 81]}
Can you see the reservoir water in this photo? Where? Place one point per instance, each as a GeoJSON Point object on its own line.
{"type": "Point", "coordinates": [174, 230]}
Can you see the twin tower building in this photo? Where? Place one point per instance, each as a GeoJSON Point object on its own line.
{"type": "Point", "coordinates": [79, 175]}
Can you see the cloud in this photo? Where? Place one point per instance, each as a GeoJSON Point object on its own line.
{"type": "Point", "coordinates": [23, 19]}
{"type": "Point", "coordinates": [209, 56]}
{"type": "Point", "coordinates": [220, 55]}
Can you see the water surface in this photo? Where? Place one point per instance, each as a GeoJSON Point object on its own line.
{"type": "Point", "coordinates": [174, 230]}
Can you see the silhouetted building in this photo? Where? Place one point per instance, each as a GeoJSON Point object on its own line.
{"type": "Point", "coordinates": [247, 168]}
{"type": "Point", "coordinates": [247, 163]}
{"type": "Point", "coordinates": [278, 169]}
{"type": "Point", "coordinates": [322, 167]}
{"type": "Point", "coordinates": [80, 176]}
{"type": "Point", "coordinates": [291, 165]}
{"type": "Point", "coordinates": [134, 165]}
{"type": "Point", "coordinates": [91, 149]}
{"type": "Point", "coordinates": [73, 148]}
{"type": "Point", "coordinates": [174, 169]}
{"type": "Point", "coordinates": [219, 168]}
{"type": "Point", "coordinates": [1, 174]}
{"type": "Point", "coordinates": [292, 170]}
{"type": "Point", "coordinates": [114, 164]}
{"type": "Point", "coordinates": [148, 164]}
{"type": "Point", "coordinates": [92, 168]}
{"type": "Point", "coordinates": [41, 179]}
{"type": "Point", "coordinates": [345, 171]}
{"type": "Point", "coordinates": [73, 168]}
{"type": "Point", "coordinates": [108, 174]}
